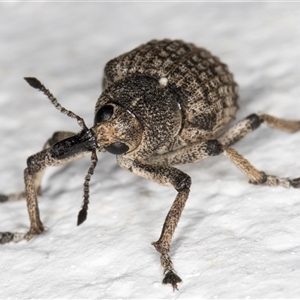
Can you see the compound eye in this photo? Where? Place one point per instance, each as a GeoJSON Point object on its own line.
{"type": "Point", "coordinates": [117, 148]}
{"type": "Point", "coordinates": [104, 114]}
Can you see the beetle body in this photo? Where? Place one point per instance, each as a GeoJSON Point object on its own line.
{"type": "Point", "coordinates": [164, 103]}
{"type": "Point", "coordinates": [179, 93]}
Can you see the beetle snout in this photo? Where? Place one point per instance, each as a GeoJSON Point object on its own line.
{"type": "Point", "coordinates": [74, 146]}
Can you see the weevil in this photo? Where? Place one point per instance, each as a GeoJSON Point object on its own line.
{"type": "Point", "coordinates": [164, 103]}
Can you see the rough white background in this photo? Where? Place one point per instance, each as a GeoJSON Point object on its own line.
{"type": "Point", "coordinates": [234, 240]}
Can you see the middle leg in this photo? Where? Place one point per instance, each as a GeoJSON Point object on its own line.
{"type": "Point", "coordinates": [240, 130]}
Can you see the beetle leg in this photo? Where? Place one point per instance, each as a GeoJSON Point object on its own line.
{"type": "Point", "coordinates": [35, 164]}
{"type": "Point", "coordinates": [56, 137]}
{"type": "Point", "coordinates": [196, 152]}
{"type": "Point", "coordinates": [252, 122]}
{"type": "Point", "coordinates": [181, 182]}
{"type": "Point", "coordinates": [256, 176]}
{"type": "Point", "coordinates": [55, 155]}
{"type": "Point", "coordinates": [188, 154]}
{"type": "Point", "coordinates": [247, 125]}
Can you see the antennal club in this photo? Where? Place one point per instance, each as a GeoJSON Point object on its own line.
{"type": "Point", "coordinates": [35, 83]}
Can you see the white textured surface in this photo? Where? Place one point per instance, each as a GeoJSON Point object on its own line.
{"type": "Point", "coordinates": [234, 240]}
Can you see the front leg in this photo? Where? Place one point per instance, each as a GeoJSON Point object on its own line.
{"type": "Point", "coordinates": [181, 182]}
{"type": "Point", "coordinates": [56, 137]}
{"type": "Point", "coordinates": [35, 164]}
{"type": "Point", "coordinates": [59, 153]}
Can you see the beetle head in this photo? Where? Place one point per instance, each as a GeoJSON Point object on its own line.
{"type": "Point", "coordinates": [137, 114]}
{"type": "Point", "coordinates": [117, 129]}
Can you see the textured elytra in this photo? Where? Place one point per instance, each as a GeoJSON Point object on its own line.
{"type": "Point", "coordinates": [164, 103]}
{"type": "Point", "coordinates": [204, 87]}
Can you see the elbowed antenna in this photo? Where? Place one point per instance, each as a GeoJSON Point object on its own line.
{"type": "Point", "coordinates": [35, 83]}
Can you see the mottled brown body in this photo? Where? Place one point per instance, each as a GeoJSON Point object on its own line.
{"type": "Point", "coordinates": [164, 103]}
{"type": "Point", "coordinates": [201, 85]}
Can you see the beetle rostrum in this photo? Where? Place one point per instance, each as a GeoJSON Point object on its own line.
{"type": "Point", "coordinates": [164, 103]}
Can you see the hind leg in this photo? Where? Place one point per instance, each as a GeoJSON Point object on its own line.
{"type": "Point", "coordinates": [196, 152]}
{"type": "Point", "coordinates": [240, 130]}
{"type": "Point", "coordinates": [258, 177]}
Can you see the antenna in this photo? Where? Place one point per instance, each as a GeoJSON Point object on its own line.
{"type": "Point", "coordinates": [35, 83]}
{"type": "Point", "coordinates": [86, 189]}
